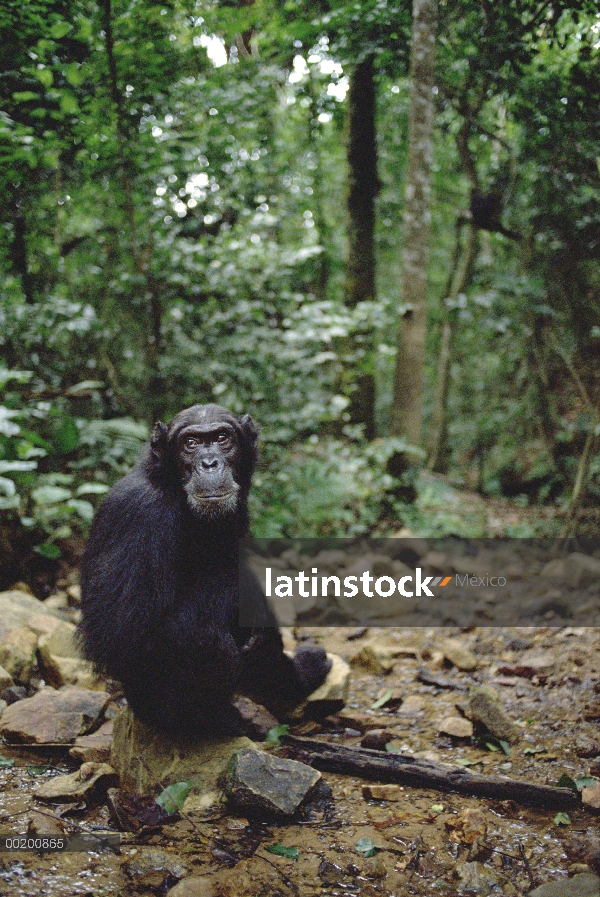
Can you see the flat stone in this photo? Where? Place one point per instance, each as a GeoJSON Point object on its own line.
{"type": "Point", "coordinates": [95, 747]}
{"type": "Point", "coordinates": [154, 870]}
{"type": "Point", "coordinates": [382, 792]}
{"type": "Point", "coordinates": [53, 717]}
{"type": "Point", "coordinates": [261, 784]}
{"type": "Point", "coordinates": [586, 884]}
{"type": "Point", "coordinates": [459, 655]}
{"type": "Point", "coordinates": [457, 727]}
{"type": "Point", "coordinates": [89, 783]}
{"type": "Point", "coordinates": [6, 680]}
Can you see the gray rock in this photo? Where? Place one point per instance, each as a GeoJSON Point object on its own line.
{"type": "Point", "coordinates": [53, 717]}
{"type": "Point", "coordinates": [261, 784]}
{"type": "Point", "coordinates": [61, 659]}
{"type": "Point", "coordinates": [476, 881]}
{"type": "Point", "coordinates": [582, 570]}
{"type": "Point", "coordinates": [169, 760]}
{"type": "Point", "coordinates": [154, 869]}
{"type": "Point", "coordinates": [89, 784]}
{"type": "Point", "coordinates": [586, 884]}
{"type": "Point", "coordinates": [16, 608]}
{"type": "Point", "coordinates": [485, 708]}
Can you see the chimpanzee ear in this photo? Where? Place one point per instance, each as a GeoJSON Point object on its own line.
{"type": "Point", "coordinates": [250, 430]}
{"type": "Point", "coordinates": [158, 446]}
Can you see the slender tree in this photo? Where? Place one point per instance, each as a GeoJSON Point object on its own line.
{"type": "Point", "coordinates": [407, 403]}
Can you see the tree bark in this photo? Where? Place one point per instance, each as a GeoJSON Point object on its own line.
{"type": "Point", "coordinates": [407, 404]}
{"type": "Point", "coordinates": [438, 427]}
{"type": "Point", "coordinates": [363, 186]}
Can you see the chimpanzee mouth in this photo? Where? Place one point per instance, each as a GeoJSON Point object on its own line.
{"type": "Point", "coordinates": [216, 502]}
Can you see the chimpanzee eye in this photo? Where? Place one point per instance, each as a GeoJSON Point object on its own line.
{"type": "Point", "coordinates": [190, 442]}
{"type": "Point", "coordinates": [223, 439]}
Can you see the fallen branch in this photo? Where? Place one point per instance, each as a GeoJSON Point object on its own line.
{"type": "Point", "coordinates": [414, 772]}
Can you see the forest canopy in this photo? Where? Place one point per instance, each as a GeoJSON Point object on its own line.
{"type": "Point", "coordinates": [373, 226]}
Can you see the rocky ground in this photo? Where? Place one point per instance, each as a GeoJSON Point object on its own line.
{"type": "Point", "coordinates": [411, 691]}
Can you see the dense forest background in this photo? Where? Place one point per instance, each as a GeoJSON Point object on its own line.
{"type": "Point", "coordinates": [373, 226]}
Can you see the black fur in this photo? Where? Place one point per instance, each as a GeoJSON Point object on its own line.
{"type": "Point", "coordinates": [160, 584]}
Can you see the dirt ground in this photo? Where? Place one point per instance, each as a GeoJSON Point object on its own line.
{"type": "Point", "coordinates": [423, 842]}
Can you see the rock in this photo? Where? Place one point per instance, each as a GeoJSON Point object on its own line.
{"type": "Point", "coordinates": [197, 886]}
{"type": "Point", "coordinates": [459, 655]}
{"type": "Point", "coordinates": [74, 593]}
{"type": "Point", "coordinates": [257, 719]}
{"type": "Point", "coordinates": [475, 879]}
{"type": "Point", "coordinates": [3, 706]}
{"type": "Point", "coordinates": [457, 727]}
{"type": "Point", "coordinates": [373, 658]}
{"type": "Point", "coordinates": [584, 849]}
{"type": "Point", "coordinates": [485, 708]}
{"type": "Point", "coordinates": [60, 601]}
{"type": "Point", "coordinates": [590, 797]}
{"type": "Point", "coordinates": [582, 570]}
{"type": "Point", "coordinates": [14, 693]}
{"type": "Point", "coordinates": [468, 827]}
{"type": "Point", "coordinates": [586, 884]}
{"type": "Point", "coordinates": [437, 561]}
{"type": "Point", "coordinates": [376, 739]}
{"type": "Point", "coordinates": [17, 654]}
{"type": "Point", "coordinates": [154, 870]}
{"type": "Point", "coordinates": [42, 624]}
{"type": "Point", "coordinates": [95, 747]}
{"type": "Point", "coordinates": [331, 696]}
{"type": "Point", "coordinates": [53, 717]}
{"type": "Point", "coordinates": [382, 792]}
{"type": "Point", "coordinates": [554, 569]}
{"type": "Point", "coordinates": [45, 824]}
{"type": "Point", "coordinates": [169, 760]}
{"type": "Point", "coordinates": [61, 659]}
{"type": "Point", "coordinates": [16, 609]}
{"type": "Point", "coordinates": [261, 784]}
{"type": "Point", "coordinates": [89, 784]}
{"type": "Point", "coordinates": [6, 680]}
{"type": "Point", "coordinates": [413, 705]}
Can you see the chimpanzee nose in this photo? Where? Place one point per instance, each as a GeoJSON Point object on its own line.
{"type": "Point", "coordinates": [210, 463]}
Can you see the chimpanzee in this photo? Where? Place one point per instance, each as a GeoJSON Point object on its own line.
{"type": "Point", "coordinates": [160, 584]}
{"type": "Point", "coordinates": [486, 214]}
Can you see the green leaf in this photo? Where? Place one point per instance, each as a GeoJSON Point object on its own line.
{"type": "Point", "coordinates": [366, 847]}
{"type": "Point", "coordinates": [280, 850]}
{"type": "Point", "coordinates": [83, 508]}
{"type": "Point", "coordinates": [5, 763]}
{"type": "Point", "coordinates": [173, 798]}
{"type": "Point", "coordinates": [92, 489]}
{"type": "Point", "coordinates": [530, 750]}
{"type": "Point", "coordinates": [562, 819]}
{"type": "Point", "coordinates": [10, 466]}
{"type": "Point", "coordinates": [38, 770]}
{"type": "Point", "coordinates": [566, 781]}
{"type": "Point", "coordinates": [59, 29]}
{"type": "Point", "coordinates": [24, 96]}
{"type": "Point", "coordinates": [50, 495]}
{"type": "Point", "coordinates": [586, 782]}
{"type": "Point", "coordinates": [75, 75]}
{"type": "Point", "coordinates": [382, 700]}
{"type": "Point", "coordinates": [68, 103]}
{"type": "Point", "coordinates": [391, 749]}
{"type": "Point", "coordinates": [45, 76]}
{"type": "Point", "coordinates": [462, 761]}
{"type": "Point", "coordinates": [48, 550]}
{"type": "Point", "coordinates": [84, 386]}
{"type": "Point", "coordinates": [274, 734]}
{"type": "Point", "coordinates": [67, 436]}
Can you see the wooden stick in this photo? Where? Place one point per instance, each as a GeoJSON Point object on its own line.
{"type": "Point", "coordinates": [415, 772]}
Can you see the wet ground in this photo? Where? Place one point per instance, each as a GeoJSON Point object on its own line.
{"type": "Point", "coordinates": [424, 842]}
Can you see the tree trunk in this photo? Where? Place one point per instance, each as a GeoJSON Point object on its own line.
{"type": "Point", "coordinates": [438, 428]}
{"type": "Point", "coordinates": [363, 185]}
{"type": "Point", "coordinates": [407, 404]}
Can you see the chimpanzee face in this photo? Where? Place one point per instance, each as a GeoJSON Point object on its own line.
{"type": "Point", "coordinates": [212, 453]}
